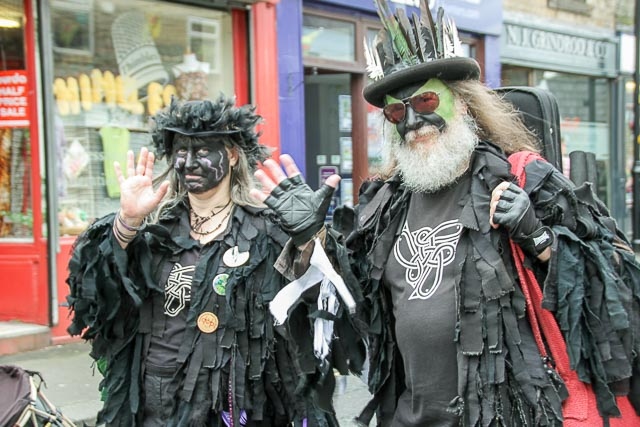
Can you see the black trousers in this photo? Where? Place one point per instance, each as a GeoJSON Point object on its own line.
{"type": "Point", "coordinates": [159, 407]}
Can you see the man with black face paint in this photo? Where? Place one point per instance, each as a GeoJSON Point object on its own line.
{"type": "Point", "coordinates": [173, 289]}
{"type": "Point", "coordinates": [428, 263]}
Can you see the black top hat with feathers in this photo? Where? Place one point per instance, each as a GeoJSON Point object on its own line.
{"type": "Point", "coordinates": [413, 49]}
{"type": "Point", "coordinates": [219, 118]}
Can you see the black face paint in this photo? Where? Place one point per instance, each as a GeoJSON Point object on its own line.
{"type": "Point", "coordinates": [413, 120]}
{"type": "Point", "coordinates": [200, 164]}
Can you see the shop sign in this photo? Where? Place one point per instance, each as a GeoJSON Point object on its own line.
{"type": "Point", "coordinates": [14, 89]}
{"type": "Point", "coordinates": [546, 48]}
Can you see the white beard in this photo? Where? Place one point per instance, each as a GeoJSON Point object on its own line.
{"type": "Point", "coordinates": [436, 159]}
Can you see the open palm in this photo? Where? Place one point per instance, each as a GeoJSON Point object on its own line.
{"type": "Point", "coordinates": [137, 195]}
{"type": "Point", "coordinates": [301, 211]}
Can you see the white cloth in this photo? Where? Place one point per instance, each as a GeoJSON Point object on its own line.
{"type": "Point", "coordinates": [320, 271]}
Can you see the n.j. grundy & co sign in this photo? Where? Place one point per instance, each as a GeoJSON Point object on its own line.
{"type": "Point", "coordinates": [543, 48]}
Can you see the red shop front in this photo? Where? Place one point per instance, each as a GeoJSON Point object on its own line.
{"type": "Point", "coordinates": [104, 68]}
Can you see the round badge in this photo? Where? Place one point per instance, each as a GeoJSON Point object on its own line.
{"type": "Point", "coordinates": [234, 258]}
{"type": "Point", "coordinates": [220, 283]}
{"type": "Point", "coordinates": [207, 322]}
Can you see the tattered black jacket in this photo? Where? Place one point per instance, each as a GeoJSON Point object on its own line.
{"type": "Point", "coordinates": [591, 283]}
{"type": "Point", "coordinates": [111, 294]}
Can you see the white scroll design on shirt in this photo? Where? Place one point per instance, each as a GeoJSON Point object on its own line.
{"type": "Point", "coordinates": [177, 292]}
{"type": "Point", "coordinates": [424, 253]}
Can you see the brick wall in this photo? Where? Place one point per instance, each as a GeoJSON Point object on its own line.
{"type": "Point", "coordinates": [601, 14]}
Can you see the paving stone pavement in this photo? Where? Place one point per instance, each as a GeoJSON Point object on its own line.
{"type": "Point", "coordinates": [72, 383]}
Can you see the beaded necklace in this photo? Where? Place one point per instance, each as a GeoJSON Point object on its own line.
{"type": "Point", "coordinates": [198, 221]}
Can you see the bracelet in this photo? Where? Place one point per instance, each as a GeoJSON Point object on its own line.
{"type": "Point", "coordinates": [122, 237]}
{"type": "Point", "coordinates": [119, 226]}
{"type": "Point", "coordinates": [127, 226]}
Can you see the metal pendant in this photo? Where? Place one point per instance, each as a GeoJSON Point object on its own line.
{"type": "Point", "coordinates": [220, 283]}
{"type": "Point", "coordinates": [233, 258]}
{"type": "Point", "coordinates": [207, 322]}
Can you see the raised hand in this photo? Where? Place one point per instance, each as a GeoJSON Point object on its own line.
{"type": "Point", "coordinates": [137, 196]}
{"type": "Point", "coordinates": [301, 210]}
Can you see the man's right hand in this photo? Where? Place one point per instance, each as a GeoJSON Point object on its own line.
{"type": "Point", "coordinates": [301, 211]}
{"type": "Point", "coordinates": [511, 207]}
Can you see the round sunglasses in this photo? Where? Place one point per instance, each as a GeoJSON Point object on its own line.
{"type": "Point", "coordinates": [422, 103]}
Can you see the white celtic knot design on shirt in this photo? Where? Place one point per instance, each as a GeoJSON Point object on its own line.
{"type": "Point", "coordinates": [178, 289]}
{"type": "Point", "coordinates": [424, 253]}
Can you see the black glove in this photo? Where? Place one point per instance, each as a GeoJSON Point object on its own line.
{"type": "Point", "coordinates": [301, 210]}
{"type": "Point", "coordinates": [515, 212]}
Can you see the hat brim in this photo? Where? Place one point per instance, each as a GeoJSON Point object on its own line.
{"type": "Point", "coordinates": [208, 132]}
{"type": "Point", "coordinates": [448, 69]}
{"type": "Point", "coordinates": [169, 134]}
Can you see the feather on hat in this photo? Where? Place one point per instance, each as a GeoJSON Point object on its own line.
{"type": "Point", "coordinates": [221, 118]}
{"type": "Point", "coordinates": [413, 49]}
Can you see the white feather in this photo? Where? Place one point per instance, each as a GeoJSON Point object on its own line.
{"type": "Point", "coordinates": [457, 44]}
{"type": "Point", "coordinates": [374, 64]}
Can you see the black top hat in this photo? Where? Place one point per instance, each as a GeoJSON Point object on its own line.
{"type": "Point", "coordinates": [411, 50]}
{"type": "Point", "coordinates": [202, 119]}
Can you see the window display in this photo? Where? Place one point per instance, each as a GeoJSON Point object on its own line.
{"type": "Point", "coordinates": [328, 38]}
{"type": "Point", "coordinates": [143, 53]}
{"type": "Point", "coordinates": [16, 219]}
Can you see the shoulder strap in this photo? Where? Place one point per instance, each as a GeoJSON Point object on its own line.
{"type": "Point", "coordinates": [578, 407]}
{"type": "Point", "coordinates": [518, 163]}
{"type": "Point", "coordinates": [542, 321]}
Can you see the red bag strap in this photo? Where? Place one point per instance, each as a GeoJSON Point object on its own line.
{"type": "Point", "coordinates": [518, 162]}
{"type": "Point", "coordinates": [543, 323]}
{"type": "Point", "coordinates": [579, 409]}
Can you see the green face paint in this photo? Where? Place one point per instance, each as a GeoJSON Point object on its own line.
{"type": "Point", "coordinates": [446, 108]}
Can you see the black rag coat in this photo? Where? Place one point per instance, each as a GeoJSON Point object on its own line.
{"type": "Point", "coordinates": [112, 292]}
{"type": "Point", "coordinates": [591, 284]}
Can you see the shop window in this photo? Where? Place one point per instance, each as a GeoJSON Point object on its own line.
{"type": "Point", "coordinates": [204, 41]}
{"type": "Point", "coordinates": [16, 220]}
{"type": "Point", "coordinates": [72, 26]}
{"type": "Point", "coordinates": [144, 53]}
{"type": "Point", "coordinates": [629, 154]}
{"type": "Point", "coordinates": [326, 38]}
{"type": "Point", "coordinates": [584, 105]}
{"type": "Point", "coordinates": [515, 76]}
{"type": "Point", "coordinates": [585, 124]}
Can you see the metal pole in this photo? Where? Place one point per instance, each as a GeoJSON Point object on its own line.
{"type": "Point", "coordinates": [636, 134]}
{"type": "Point", "coordinates": [48, 135]}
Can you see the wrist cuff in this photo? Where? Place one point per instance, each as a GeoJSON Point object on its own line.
{"type": "Point", "coordinates": [307, 235]}
{"type": "Point", "coordinates": [535, 243]}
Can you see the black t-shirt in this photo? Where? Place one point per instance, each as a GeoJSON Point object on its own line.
{"type": "Point", "coordinates": [422, 271]}
{"type": "Point", "coordinates": [170, 313]}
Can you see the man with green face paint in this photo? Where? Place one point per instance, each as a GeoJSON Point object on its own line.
{"type": "Point", "coordinates": [427, 254]}
{"type": "Point", "coordinates": [431, 104]}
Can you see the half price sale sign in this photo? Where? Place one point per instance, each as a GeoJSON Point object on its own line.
{"type": "Point", "coordinates": [14, 89]}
